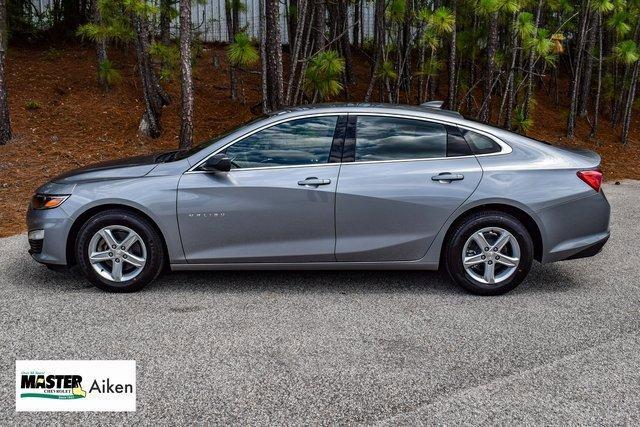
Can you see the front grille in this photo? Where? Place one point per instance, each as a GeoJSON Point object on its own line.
{"type": "Point", "coordinates": [36, 246]}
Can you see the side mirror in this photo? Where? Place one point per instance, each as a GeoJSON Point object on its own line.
{"type": "Point", "coordinates": [217, 163]}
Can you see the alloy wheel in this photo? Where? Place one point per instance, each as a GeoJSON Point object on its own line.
{"type": "Point", "coordinates": [491, 255]}
{"type": "Point", "coordinates": [117, 253]}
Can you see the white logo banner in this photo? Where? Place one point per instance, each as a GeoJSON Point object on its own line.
{"type": "Point", "coordinates": [75, 385]}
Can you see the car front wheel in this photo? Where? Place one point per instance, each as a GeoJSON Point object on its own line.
{"type": "Point", "coordinates": [119, 251]}
{"type": "Point", "coordinates": [489, 253]}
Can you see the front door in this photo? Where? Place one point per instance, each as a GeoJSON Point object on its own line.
{"type": "Point", "coordinates": [398, 187]}
{"type": "Point", "coordinates": [275, 205]}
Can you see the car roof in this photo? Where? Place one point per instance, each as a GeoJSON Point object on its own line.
{"type": "Point", "coordinates": [369, 107]}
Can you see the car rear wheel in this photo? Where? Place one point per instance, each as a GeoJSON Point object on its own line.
{"type": "Point", "coordinates": [119, 251]}
{"type": "Point", "coordinates": [489, 253]}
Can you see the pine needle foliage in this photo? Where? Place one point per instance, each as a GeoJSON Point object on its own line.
{"type": "Point", "coordinates": [323, 74]}
{"type": "Point", "coordinates": [242, 52]}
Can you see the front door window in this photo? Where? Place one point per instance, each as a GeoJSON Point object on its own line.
{"type": "Point", "coordinates": [294, 143]}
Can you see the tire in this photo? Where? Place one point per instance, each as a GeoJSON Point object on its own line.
{"type": "Point", "coordinates": [491, 224]}
{"type": "Point", "coordinates": [122, 225]}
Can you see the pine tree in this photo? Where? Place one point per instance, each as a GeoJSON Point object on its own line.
{"type": "Point", "coordinates": [271, 52]}
{"type": "Point", "coordinates": [186, 126]}
{"type": "Point", "coordinates": [575, 84]}
{"type": "Point", "coordinates": [154, 96]}
{"type": "Point", "coordinates": [5, 122]}
{"type": "Point", "coordinates": [242, 54]}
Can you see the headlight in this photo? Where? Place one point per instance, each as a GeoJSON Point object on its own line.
{"type": "Point", "coordinates": [47, 201]}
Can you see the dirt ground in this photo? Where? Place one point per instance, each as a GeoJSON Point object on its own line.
{"type": "Point", "coordinates": [62, 120]}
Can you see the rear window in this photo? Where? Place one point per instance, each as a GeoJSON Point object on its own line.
{"type": "Point", "coordinates": [479, 143]}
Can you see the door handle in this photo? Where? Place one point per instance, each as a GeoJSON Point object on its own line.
{"type": "Point", "coordinates": [314, 182]}
{"type": "Point", "coordinates": [447, 177]}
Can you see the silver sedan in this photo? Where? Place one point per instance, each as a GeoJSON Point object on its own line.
{"type": "Point", "coordinates": [355, 186]}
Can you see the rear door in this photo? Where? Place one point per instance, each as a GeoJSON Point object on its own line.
{"type": "Point", "coordinates": [400, 180]}
{"type": "Point", "coordinates": [277, 202]}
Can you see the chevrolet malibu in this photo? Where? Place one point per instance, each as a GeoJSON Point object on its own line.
{"type": "Point", "coordinates": [355, 186]}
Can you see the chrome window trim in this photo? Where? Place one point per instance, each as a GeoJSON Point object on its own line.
{"type": "Point", "coordinates": [505, 148]}
{"type": "Point", "coordinates": [276, 167]}
{"type": "Point", "coordinates": [406, 160]}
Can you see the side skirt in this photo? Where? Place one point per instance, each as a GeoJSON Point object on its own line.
{"type": "Point", "coordinates": [400, 265]}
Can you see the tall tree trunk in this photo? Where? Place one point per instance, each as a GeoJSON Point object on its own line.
{"type": "Point", "coordinates": [307, 49]}
{"type": "Point", "coordinates": [394, 98]}
{"type": "Point", "coordinates": [295, 46]}
{"type": "Point", "coordinates": [229, 9]}
{"type": "Point", "coordinates": [319, 26]}
{"type": "Point", "coordinates": [101, 45]}
{"type": "Point", "coordinates": [527, 98]}
{"type": "Point", "coordinates": [154, 97]}
{"type": "Point", "coordinates": [510, 92]}
{"type": "Point", "coordinates": [345, 43]}
{"type": "Point", "coordinates": [338, 14]}
{"type": "Point", "coordinates": [273, 56]}
{"type": "Point", "coordinates": [293, 15]}
{"type": "Point", "coordinates": [165, 21]}
{"type": "Point", "coordinates": [431, 80]}
{"type": "Point", "coordinates": [186, 126]}
{"type": "Point", "coordinates": [378, 42]}
{"type": "Point", "coordinates": [421, 59]}
{"type": "Point", "coordinates": [471, 63]}
{"type": "Point", "coordinates": [452, 59]}
{"type": "Point", "coordinates": [5, 122]}
{"type": "Point", "coordinates": [596, 108]}
{"type": "Point", "coordinates": [615, 72]}
{"type": "Point", "coordinates": [404, 52]}
{"type": "Point", "coordinates": [618, 110]}
{"type": "Point", "coordinates": [588, 71]}
{"type": "Point", "coordinates": [629, 107]}
{"type": "Point", "coordinates": [235, 16]}
{"type": "Point", "coordinates": [357, 11]}
{"type": "Point", "coordinates": [263, 55]}
{"type": "Point", "coordinates": [492, 47]}
{"type": "Point", "coordinates": [618, 100]}
{"type": "Point", "coordinates": [571, 121]}
{"type": "Point", "coordinates": [626, 122]}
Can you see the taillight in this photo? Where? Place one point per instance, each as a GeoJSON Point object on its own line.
{"type": "Point", "coordinates": [593, 178]}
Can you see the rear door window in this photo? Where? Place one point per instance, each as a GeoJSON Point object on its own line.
{"type": "Point", "coordinates": [380, 138]}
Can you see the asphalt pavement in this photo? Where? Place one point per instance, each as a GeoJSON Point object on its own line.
{"type": "Point", "coordinates": [345, 347]}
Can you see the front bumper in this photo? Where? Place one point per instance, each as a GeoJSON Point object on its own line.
{"type": "Point", "coordinates": [52, 249]}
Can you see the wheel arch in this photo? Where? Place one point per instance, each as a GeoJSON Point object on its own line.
{"type": "Point", "coordinates": [84, 217]}
{"type": "Point", "coordinates": [521, 215]}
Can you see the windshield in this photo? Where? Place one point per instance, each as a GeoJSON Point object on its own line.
{"type": "Point", "coordinates": [183, 154]}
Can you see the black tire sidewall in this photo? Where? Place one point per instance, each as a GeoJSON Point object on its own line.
{"type": "Point", "coordinates": [475, 222]}
{"type": "Point", "coordinates": [150, 237]}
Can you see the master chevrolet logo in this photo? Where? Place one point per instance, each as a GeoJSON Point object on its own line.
{"type": "Point", "coordinates": [53, 386]}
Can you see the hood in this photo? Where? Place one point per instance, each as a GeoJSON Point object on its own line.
{"type": "Point", "coordinates": [132, 167]}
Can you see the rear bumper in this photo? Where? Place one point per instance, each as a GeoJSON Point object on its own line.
{"type": "Point", "coordinates": [591, 250]}
{"type": "Point", "coordinates": [576, 229]}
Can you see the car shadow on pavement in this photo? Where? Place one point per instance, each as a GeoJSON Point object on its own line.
{"type": "Point", "coordinates": [542, 279]}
